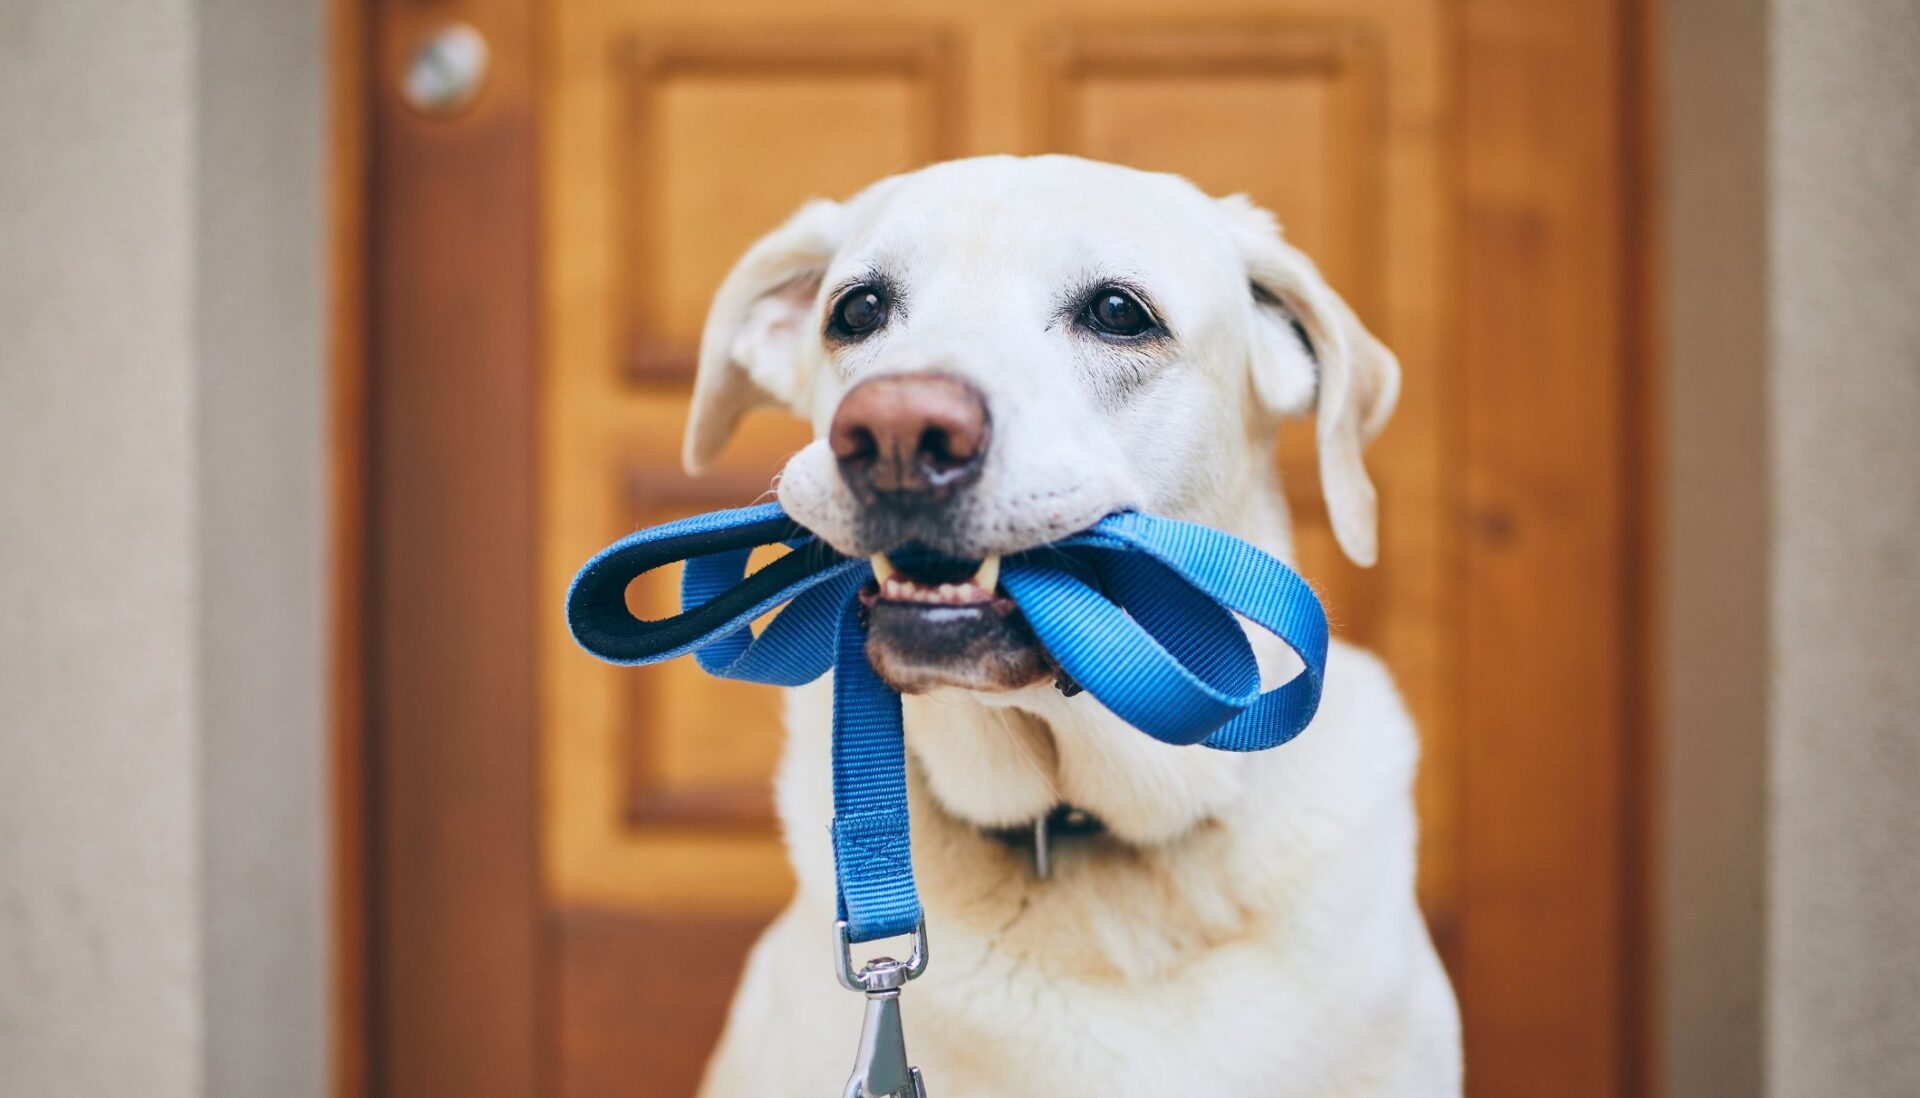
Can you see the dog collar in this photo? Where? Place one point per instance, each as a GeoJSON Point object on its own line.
{"type": "Point", "coordinates": [1037, 838]}
{"type": "Point", "coordinates": [1138, 610]}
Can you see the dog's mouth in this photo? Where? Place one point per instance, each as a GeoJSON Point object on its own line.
{"type": "Point", "coordinates": [935, 620]}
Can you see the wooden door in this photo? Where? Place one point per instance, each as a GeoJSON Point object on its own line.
{"type": "Point", "coordinates": [1427, 153]}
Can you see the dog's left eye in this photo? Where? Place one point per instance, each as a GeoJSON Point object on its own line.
{"type": "Point", "coordinates": [858, 312]}
{"type": "Point", "coordinates": [1115, 312]}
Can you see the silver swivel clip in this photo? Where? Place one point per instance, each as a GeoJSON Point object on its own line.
{"type": "Point", "coordinates": [880, 1070]}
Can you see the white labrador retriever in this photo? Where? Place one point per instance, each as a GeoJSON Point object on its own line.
{"type": "Point", "coordinates": [996, 353]}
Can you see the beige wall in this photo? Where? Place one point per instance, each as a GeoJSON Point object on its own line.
{"type": "Point", "coordinates": [100, 957]}
{"type": "Point", "coordinates": [1844, 869]}
{"type": "Point", "coordinates": [161, 855]}
{"type": "Point", "coordinates": [260, 394]}
{"type": "Point", "coordinates": [1791, 885]}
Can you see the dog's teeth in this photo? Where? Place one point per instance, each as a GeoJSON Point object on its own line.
{"type": "Point", "coordinates": [897, 587]}
{"type": "Point", "coordinates": [988, 577]}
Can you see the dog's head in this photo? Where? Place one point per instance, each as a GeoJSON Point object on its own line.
{"type": "Point", "coordinates": [996, 353]}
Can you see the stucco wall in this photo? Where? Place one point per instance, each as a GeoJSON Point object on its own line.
{"type": "Point", "coordinates": [1790, 910]}
{"type": "Point", "coordinates": [260, 394]}
{"type": "Point", "coordinates": [100, 958]}
{"type": "Point", "coordinates": [161, 855]}
{"type": "Point", "coordinates": [1844, 875]}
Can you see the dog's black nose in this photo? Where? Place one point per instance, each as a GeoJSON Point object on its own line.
{"type": "Point", "coordinates": [910, 438]}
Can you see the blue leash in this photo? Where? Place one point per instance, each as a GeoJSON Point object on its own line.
{"type": "Point", "coordinates": [1136, 609]}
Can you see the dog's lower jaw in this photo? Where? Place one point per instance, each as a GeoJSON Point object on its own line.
{"type": "Point", "coordinates": [997, 671]}
{"type": "Point", "coordinates": [983, 650]}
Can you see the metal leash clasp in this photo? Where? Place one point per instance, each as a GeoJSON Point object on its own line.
{"type": "Point", "coordinates": [880, 1069]}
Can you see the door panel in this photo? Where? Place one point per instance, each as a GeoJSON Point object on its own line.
{"type": "Point", "coordinates": [718, 136]}
{"type": "Point", "coordinates": [673, 140]}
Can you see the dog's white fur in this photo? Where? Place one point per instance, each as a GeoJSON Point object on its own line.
{"type": "Point", "coordinates": [1249, 926]}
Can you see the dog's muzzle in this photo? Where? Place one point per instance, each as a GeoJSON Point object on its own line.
{"type": "Point", "coordinates": [909, 447]}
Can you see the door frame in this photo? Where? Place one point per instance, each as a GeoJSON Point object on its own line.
{"type": "Point", "coordinates": [443, 963]}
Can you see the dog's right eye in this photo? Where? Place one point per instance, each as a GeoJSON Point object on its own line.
{"type": "Point", "coordinates": [1115, 313]}
{"type": "Point", "coordinates": [859, 311]}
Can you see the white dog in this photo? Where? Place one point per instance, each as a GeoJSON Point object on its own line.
{"type": "Point", "coordinates": [995, 353]}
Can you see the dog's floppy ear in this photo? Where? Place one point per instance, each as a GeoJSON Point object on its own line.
{"type": "Point", "coordinates": [1310, 350]}
{"type": "Point", "coordinates": [750, 352]}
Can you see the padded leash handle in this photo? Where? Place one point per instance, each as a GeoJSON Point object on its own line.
{"type": "Point", "coordinates": [597, 610]}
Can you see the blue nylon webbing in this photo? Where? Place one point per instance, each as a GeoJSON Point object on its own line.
{"type": "Point", "coordinates": [1138, 609]}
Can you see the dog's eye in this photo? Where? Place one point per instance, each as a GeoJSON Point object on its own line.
{"type": "Point", "coordinates": [859, 311]}
{"type": "Point", "coordinates": [1115, 312]}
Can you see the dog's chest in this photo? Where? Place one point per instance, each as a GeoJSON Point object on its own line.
{"type": "Point", "coordinates": [1249, 1020]}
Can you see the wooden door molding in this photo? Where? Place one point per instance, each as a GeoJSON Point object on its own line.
{"type": "Point", "coordinates": [456, 955]}
{"type": "Point", "coordinates": [651, 798]}
{"type": "Point", "coordinates": [1552, 410]}
{"type": "Point", "coordinates": [647, 61]}
{"type": "Point", "coordinates": [1069, 56]}
{"type": "Point", "coordinates": [347, 91]}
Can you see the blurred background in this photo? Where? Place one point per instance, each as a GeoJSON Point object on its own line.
{"type": "Point", "coordinates": [334, 334]}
